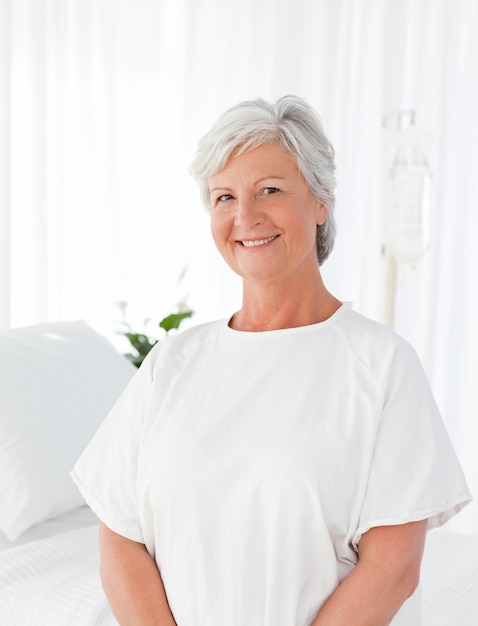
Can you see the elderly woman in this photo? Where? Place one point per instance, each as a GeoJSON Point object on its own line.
{"type": "Point", "coordinates": [281, 467]}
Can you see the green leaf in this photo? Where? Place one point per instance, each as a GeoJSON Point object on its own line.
{"type": "Point", "coordinates": [135, 359]}
{"type": "Point", "coordinates": [139, 340]}
{"type": "Point", "coordinates": [142, 343]}
{"type": "Point", "coordinates": [174, 320]}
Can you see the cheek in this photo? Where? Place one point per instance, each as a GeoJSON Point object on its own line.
{"type": "Point", "coordinates": [219, 231]}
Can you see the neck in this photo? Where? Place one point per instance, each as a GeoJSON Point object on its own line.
{"type": "Point", "coordinates": [273, 307]}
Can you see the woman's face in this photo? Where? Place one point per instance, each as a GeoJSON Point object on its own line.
{"type": "Point", "coordinates": [264, 217]}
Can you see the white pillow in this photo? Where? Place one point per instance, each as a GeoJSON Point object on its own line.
{"type": "Point", "coordinates": [57, 383]}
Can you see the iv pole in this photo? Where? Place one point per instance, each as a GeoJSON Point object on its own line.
{"type": "Point", "coordinates": [390, 288]}
{"type": "Point", "coordinates": [408, 220]}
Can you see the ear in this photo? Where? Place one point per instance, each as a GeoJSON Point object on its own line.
{"type": "Point", "coordinates": [322, 212]}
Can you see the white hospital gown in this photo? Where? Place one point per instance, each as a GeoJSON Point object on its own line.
{"type": "Point", "coordinates": [250, 464]}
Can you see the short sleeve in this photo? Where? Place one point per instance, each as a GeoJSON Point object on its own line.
{"type": "Point", "coordinates": [415, 473]}
{"type": "Point", "coordinates": [106, 471]}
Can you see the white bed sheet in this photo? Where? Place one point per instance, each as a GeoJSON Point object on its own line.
{"type": "Point", "coordinates": [450, 580]}
{"type": "Point", "coordinates": [53, 580]}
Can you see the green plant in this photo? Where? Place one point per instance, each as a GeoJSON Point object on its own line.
{"type": "Point", "coordinates": [142, 343]}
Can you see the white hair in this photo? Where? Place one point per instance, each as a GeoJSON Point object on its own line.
{"type": "Point", "coordinates": [291, 123]}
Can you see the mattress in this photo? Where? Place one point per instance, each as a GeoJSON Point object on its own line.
{"type": "Point", "coordinates": [82, 516]}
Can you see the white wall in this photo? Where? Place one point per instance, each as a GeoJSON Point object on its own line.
{"type": "Point", "coordinates": [103, 103]}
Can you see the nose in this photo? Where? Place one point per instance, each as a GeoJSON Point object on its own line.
{"type": "Point", "coordinates": [248, 213]}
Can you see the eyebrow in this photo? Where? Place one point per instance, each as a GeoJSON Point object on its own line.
{"type": "Point", "coordinates": [259, 180]}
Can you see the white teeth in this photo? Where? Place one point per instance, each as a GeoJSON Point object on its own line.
{"type": "Point", "coordinates": [257, 242]}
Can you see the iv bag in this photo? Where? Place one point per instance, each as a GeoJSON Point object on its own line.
{"type": "Point", "coordinates": [409, 201]}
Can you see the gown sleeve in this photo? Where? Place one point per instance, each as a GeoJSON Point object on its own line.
{"type": "Point", "coordinates": [106, 471]}
{"type": "Point", "coordinates": [414, 473]}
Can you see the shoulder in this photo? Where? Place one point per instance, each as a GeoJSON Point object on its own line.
{"type": "Point", "coordinates": [176, 346]}
{"type": "Point", "coordinates": [376, 346]}
{"type": "Point", "coordinates": [197, 335]}
{"type": "Point", "coordinates": [359, 327]}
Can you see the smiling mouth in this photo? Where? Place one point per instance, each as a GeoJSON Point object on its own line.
{"type": "Point", "coordinates": [257, 242]}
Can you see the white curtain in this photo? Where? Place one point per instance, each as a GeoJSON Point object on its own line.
{"type": "Point", "coordinates": [101, 106]}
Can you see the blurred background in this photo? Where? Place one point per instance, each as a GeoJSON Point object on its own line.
{"type": "Point", "coordinates": [102, 103]}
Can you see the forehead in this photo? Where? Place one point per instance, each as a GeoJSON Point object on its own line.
{"type": "Point", "coordinates": [267, 160]}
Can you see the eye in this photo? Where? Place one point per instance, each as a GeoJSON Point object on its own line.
{"type": "Point", "coordinates": [269, 191]}
{"type": "Point", "coordinates": [223, 198]}
{"type": "Point", "coordinates": [220, 201]}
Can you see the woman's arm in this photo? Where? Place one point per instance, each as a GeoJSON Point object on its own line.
{"type": "Point", "coordinates": [132, 582]}
{"type": "Point", "coordinates": [387, 573]}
